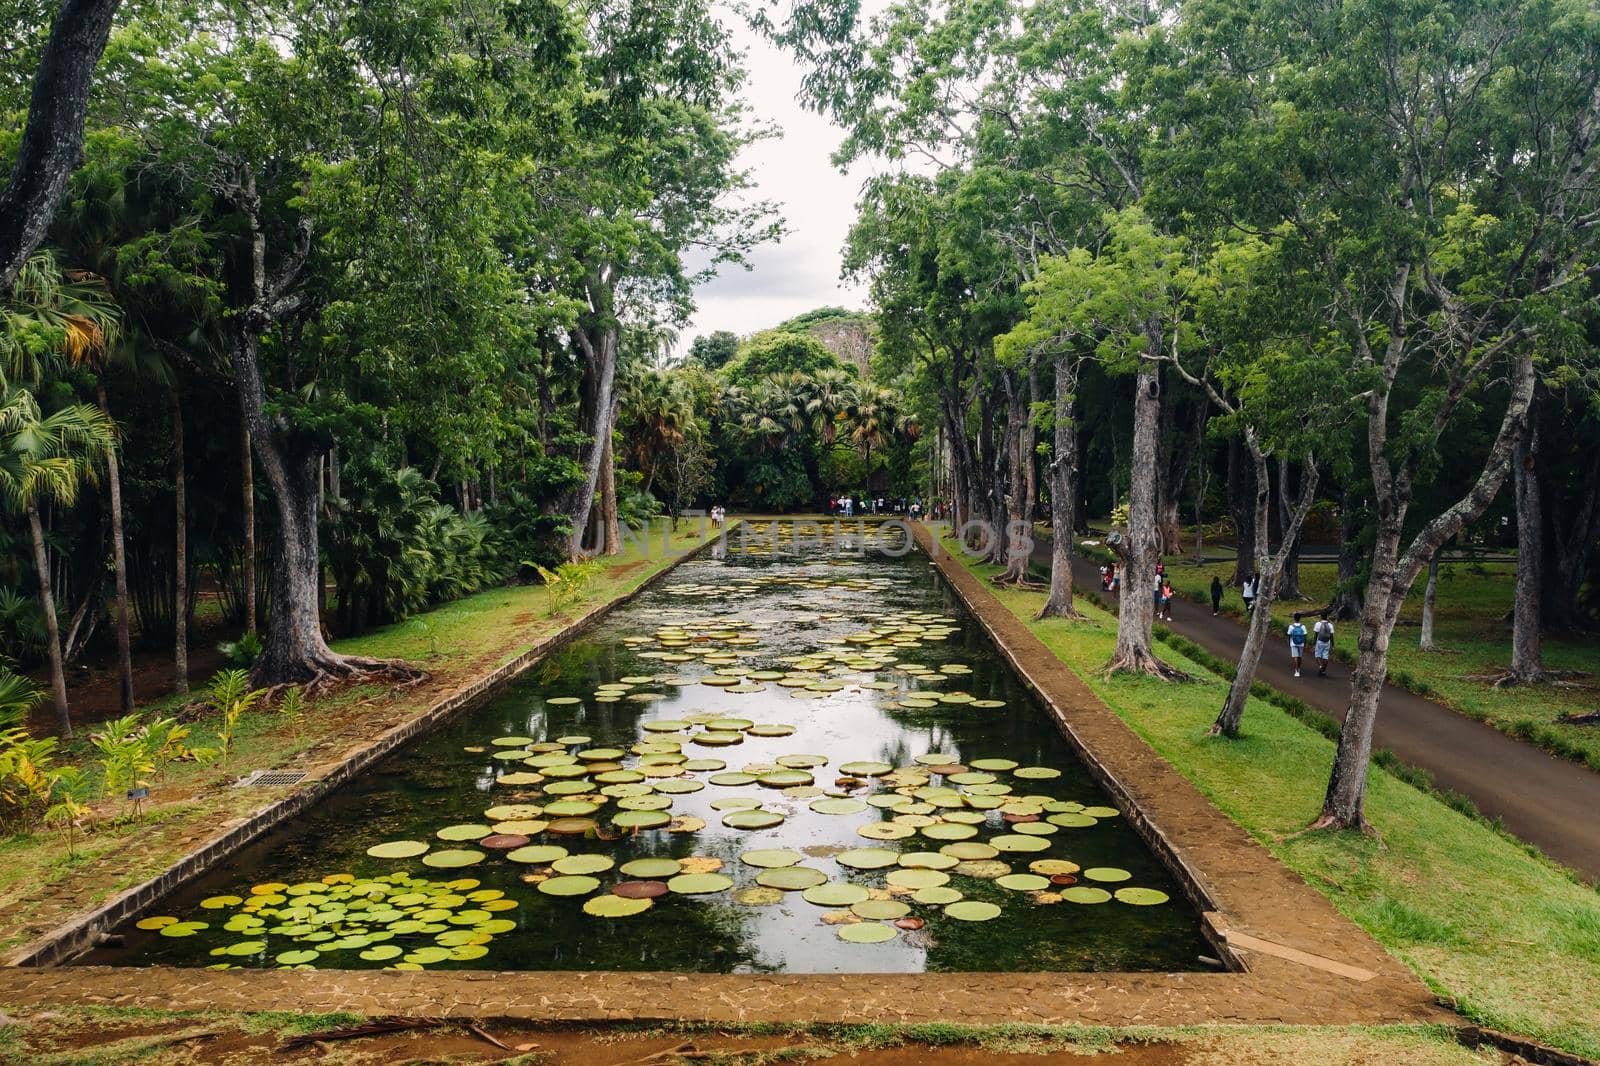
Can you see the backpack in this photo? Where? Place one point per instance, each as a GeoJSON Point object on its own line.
{"type": "Point", "coordinates": [1324, 630]}
{"type": "Point", "coordinates": [1297, 634]}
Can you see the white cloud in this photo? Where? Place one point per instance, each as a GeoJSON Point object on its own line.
{"type": "Point", "coordinates": [816, 201]}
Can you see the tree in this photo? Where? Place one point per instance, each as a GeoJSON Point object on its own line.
{"type": "Point", "coordinates": [714, 351]}
{"type": "Point", "coordinates": [53, 135]}
{"type": "Point", "coordinates": [45, 458]}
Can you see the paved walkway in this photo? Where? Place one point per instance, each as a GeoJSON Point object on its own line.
{"type": "Point", "coordinates": [1546, 800]}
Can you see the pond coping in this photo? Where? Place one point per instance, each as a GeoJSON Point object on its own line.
{"type": "Point", "coordinates": [81, 933]}
{"type": "Point", "coordinates": [1292, 958]}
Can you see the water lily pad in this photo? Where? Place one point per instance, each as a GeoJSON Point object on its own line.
{"type": "Point", "coordinates": [571, 826]}
{"type": "Point", "coordinates": [880, 909]}
{"type": "Point", "coordinates": [616, 906]}
{"type": "Point", "coordinates": [639, 889]}
{"type": "Point", "coordinates": [703, 765]}
{"type": "Point", "coordinates": [972, 910]}
{"type": "Point", "coordinates": [300, 957]}
{"type": "Point", "coordinates": [733, 778]}
{"type": "Point", "coordinates": [949, 831]}
{"type": "Point", "coordinates": [575, 885]}
{"type": "Point", "coordinates": [1101, 812]}
{"type": "Point", "coordinates": [758, 896]}
{"type": "Point", "coordinates": [537, 854]}
{"type": "Point", "coordinates": [686, 824]}
{"type": "Point", "coordinates": [866, 769]}
{"type": "Point", "coordinates": [158, 922]}
{"type": "Point", "coordinates": [572, 740]}
{"type": "Point", "coordinates": [937, 895]}
{"type": "Point", "coordinates": [791, 878]}
{"type": "Point", "coordinates": [213, 903]}
{"type": "Point", "coordinates": [651, 868]}
{"type": "Point", "coordinates": [915, 878]}
{"type": "Point", "coordinates": [665, 725]}
{"type": "Point", "coordinates": [380, 952]}
{"type": "Point", "coordinates": [511, 742]}
{"type": "Point", "coordinates": [428, 955]}
{"type": "Point", "coordinates": [838, 805]}
{"type": "Point", "coordinates": [452, 859]}
{"type": "Point", "coordinates": [1085, 894]}
{"type": "Point", "coordinates": [784, 778]}
{"type": "Point", "coordinates": [928, 860]}
{"type": "Point", "coordinates": [867, 933]}
{"type": "Point", "coordinates": [1141, 897]}
{"type": "Point", "coordinates": [1035, 829]}
{"type": "Point", "coordinates": [1106, 873]}
{"type": "Point", "coordinates": [983, 869]}
{"type": "Point", "coordinates": [969, 850]}
{"type": "Point", "coordinates": [582, 864]}
{"type": "Point", "coordinates": [1072, 820]}
{"type": "Point", "coordinates": [752, 819]}
{"type": "Point", "coordinates": [463, 832]}
{"type": "Point", "coordinates": [700, 884]}
{"type": "Point", "coordinates": [1023, 882]}
{"type": "Point", "coordinates": [867, 858]}
{"type": "Point", "coordinates": [802, 761]}
{"type": "Point", "coordinates": [835, 894]}
{"type": "Point", "coordinates": [1016, 843]}
{"type": "Point", "coordinates": [766, 729]}
{"type": "Point", "coordinates": [1036, 773]}
{"type": "Point", "coordinates": [182, 929]}
{"type": "Point", "coordinates": [1053, 867]}
{"type": "Point", "coordinates": [771, 858]}
{"type": "Point", "coordinates": [563, 701]}
{"type": "Point", "coordinates": [641, 819]}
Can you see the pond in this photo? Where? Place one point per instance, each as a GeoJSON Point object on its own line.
{"type": "Point", "coordinates": [789, 756]}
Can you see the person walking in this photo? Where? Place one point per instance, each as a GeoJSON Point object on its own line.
{"type": "Point", "coordinates": [1116, 579]}
{"type": "Point", "coordinates": [1297, 642]}
{"type": "Point", "coordinates": [1248, 592]}
{"type": "Point", "coordinates": [1216, 595]}
{"type": "Point", "coordinates": [1166, 598]}
{"type": "Point", "coordinates": [1322, 646]}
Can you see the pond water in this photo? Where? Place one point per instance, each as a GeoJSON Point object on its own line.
{"type": "Point", "coordinates": [835, 698]}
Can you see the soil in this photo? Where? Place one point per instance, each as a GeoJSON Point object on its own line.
{"type": "Point", "coordinates": [198, 1039]}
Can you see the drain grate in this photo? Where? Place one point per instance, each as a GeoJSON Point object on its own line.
{"type": "Point", "coordinates": [271, 777]}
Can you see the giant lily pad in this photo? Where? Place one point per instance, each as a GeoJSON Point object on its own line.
{"type": "Point", "coordinates": [1085, 894]}
{"type": "Point", "coordinates": [453, 859]}
{"type": "Point", "coordinates": [752, 819]}
{"type": "Point", "coordinates": [700, 884]}
{"type": "Point", "coordinates": [1141, 897]}
{"type": "Point", "coordinates": [867, 858]}
{"type": "Point", "coordinates": [915, 878]}
{"type": "Point", "coordinates": [972, 910]}
{"type": "Point", "coordinates": [582, 864]}
{"type": "Point", "coordinates": [463, 832]}
{"type": "Point", "coordinates": [615, 906]}
{"type": "Point", "coordinates": [1015, 843]}
{"type": "Point", "coordinates": [791, 878]}
{"type": "Point", "coordinates": [639, 889]}
{"type": "Point", "coordinates": [651, 868]}
{"type": "Point", "coordinates": [537, 854]}
{"type": "Point", "coordinates": [576, 885]}
{"type": "Point", "coordinates": [838, 805]}
{"type": "Point", "coordinates": [867, 933]}
{"type": "Point", "coordinates": [835, 894]}
{"type": "Point", "coordinates": [771, 858]}
{"type": "Point", "coordinates": [1106, 873]}
{"type": "Point", "coordinates": [866, 769]}
{"type": "Point", "coordinates": [884, 831]}
{"type": "Point", "coordinates": [1023, 882]}
{"type": "Point", "coordinates": [880, 909]}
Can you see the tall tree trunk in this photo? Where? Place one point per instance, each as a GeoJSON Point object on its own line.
{"type": "Point", "coordinates": [1289, 582]}
{"type": "Point", "coordinates": [1016, 547]}
{"type": "Point", "coordinates": [1241, 493]}
{"type": "Point", "coordinates": [1269, 567]}
{"type": "Point", "coordinates": [1202, 480]}
{"type": "Point", "coordinates": [1135, 649]}
{"type": "Point", "coordinates": [47, 605]}
{"type": "Point", "coordinates": [180, 570]}
{"type": "Point", "coordinates": [1429, 592]}
{"type": "Point", "coordinates": [119, 561]}
{"type": "Point", "coordinates": [599, 349]}
{"type": "Point", "coordinates": [52, 137]}
{"type": "Point", "coordinates": [247, 473]}
{"type": "Point", "coordinates": [1527, 663]}
{"type": "Point", "coordinates": [1063, 477]}
{"type": "Point", "coordinates": [1347, 604]}
{"type": "Point", "coordinates": [612, 534]}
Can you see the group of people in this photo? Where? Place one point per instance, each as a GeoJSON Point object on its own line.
{"type": "Point", "coordinates": [1320, 635]}
{"type": "Point", "coordinates": [1111, 582]}
{"type": "Point", "coordinates": [848, 505]}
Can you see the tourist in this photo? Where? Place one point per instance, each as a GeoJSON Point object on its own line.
{"type": "Point", "coordinates": [1116, 579]}
{"type": "Point", "coordinates": [1323, 647]}
{"type": "Point", "coordinates": [1166, 598]}
{"type": "Point", "coordinates": [1216, 595]}
{"type": "Point", "coordinates": [1105, 577]}
{"type": "Point", "coordinates": [1247, 591]}
{"type": "Point", "coordinates": [1297, 642]}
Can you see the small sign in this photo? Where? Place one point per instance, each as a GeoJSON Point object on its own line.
{"type": "Point", "coordinates": [138, 793]}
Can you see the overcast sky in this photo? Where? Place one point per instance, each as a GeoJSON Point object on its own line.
{"type": "Point", "coordinates": [817, 203]}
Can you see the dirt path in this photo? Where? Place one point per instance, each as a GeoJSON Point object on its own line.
{"type": "Point", "coordinates": [1547, 801]}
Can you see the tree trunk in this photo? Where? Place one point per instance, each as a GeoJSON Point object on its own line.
{"type": "Point", "coordinates": [1063, 477]}
{"type": "Point", "coordinates": [608, 500]}
{"type": "Point", "coordinates": [1016, 546]}
{"type": "Point", "coordinates": [1135, 650]}
{"type": "Point", "coordinates": [1289, 582]}
{"type": "Point", "coordinates": [1429, 591]}
{"type": "Point", "coordinates": [52, 138]}
{"type": "Point", "coordinates": [1527, 663]}
{"type": "Point", "coordinates": [1269, 567]}
{"type": "Point", "coordinates": [594, 421]}
{"type": "Point", "coordinates": [247, 471]}
{"type": "Point", "coordinates": [1348, 604]}
{"type": "Point", "coordinates": [1241, 491]}
{"type": "Point", "coordinates": [47, 605]}
{"type": "Point", "coordinates": [1202, 480]}
{"type": "Point", "coordinates": [119, 561]}
{"type": "Point", "coordinates": [180, 571]}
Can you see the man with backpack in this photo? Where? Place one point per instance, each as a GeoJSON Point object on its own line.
{"type": "Point", "coordinates": [1322, 649]}
{"type": "Point", "coordinates": [1297, 642]}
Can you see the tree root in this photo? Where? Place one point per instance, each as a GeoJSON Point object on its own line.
{"type": "Point", "coordinates": [1588, 718]}
{"type": "Point", "coordinates": [1069, 613]}
{"type": "Point", "coordinates": [1333, 823]}
{"type": "Point", "coordinates": [1143, 662]}
{"type": "Point", "coordinates": [1510, 678]}
{"type": "Point", "coordinates": [1011, 579]}
{"type": "Point", "coordinates": [316, 675]}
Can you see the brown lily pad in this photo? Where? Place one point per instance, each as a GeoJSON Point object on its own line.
{"type": "Point", "coordinates": [503, 841]}
{"type": "Point", "coordinates": [910, 923]}
{"type": "Point", "coordinates": [571, 826]}
{"type": "Point", "coordinates": [639, 889]}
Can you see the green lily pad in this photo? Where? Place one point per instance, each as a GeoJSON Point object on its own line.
{"type": "Point", "coordinates": [1106, 873]}
{"type": "Point", "coordinates": [884, 831]}
{"type": "Point", "coordinates": [914, 878]}
{"type": "Point", "coordinates": [983, 869]}
{"type": "Point", "coordinates": [752, 819]}
{"type": "Point", "coordinates": [1141, 897]}
{"type": "Point", "coordinates": [791, 878]}
{"type": "Point", "coordinates": [246, 947]}
{"type": "Point", "coordinates": [969, 850]}
{"type": "Point", "coordinates": [949, 831]}
{"type": "Point", "coordinates": [1036, 773]}
{"type": "Point", "coordinates": [563, 701]}
{"type": "Point", "coordinates": [1072, 820]}
{"type": "Point", "coordinates": [867, 858]}
{"type": "Point", "coordinates": [651, 868]}
{"type": "Point", "coordinates": [396, 849]}
{"type": "Point", "coordinates": [835, 894]}
{"type": "Point", "coordinates": [972, 910]}
{"type": "Point", "coordinates": [1023, 882]}
{"type": "Point", "coordinates": [699, 884]}
{"type": "Point", "coordinates": [382, 952]}
{"type": "Point", "coordinates": [1101, 812]}
{"type": "Point", "coordinates": [758, 896]}
{"type": "Point", "coordinates": [928, 860]}
{"type": "Point", "coordinates": [785, 779]}
{"type": "Point", "coordinates": [1085, 894]}
{"type": "Point", "coordinates": [575, 885]}
{"type": "Point", "coordinates": [511, 742]}
{"type": "Point", "coordinates": [866, 933]}
{"type": "Point", "coordinates": [838, 805]}
{"type": "Point", "coordinates": [866, 769]}
{"type": "Point", "coordinates": [937, 896]}
{"type": "Point", "coordinates": [450, 860]}
{"type": "Point", "coordinates": [428, 955]}
{"type": "Point", "coordinates": [537, 853]}
{"type": "Point", "coordinates": [615, 906]}
{"type": "Point", "coordinates": [641, 819]}
{"type": "Point", "coordinates": [299, 957]}
{"type": "Point", "coordinates": [582, 864]}
{"type": "Point", "coordinates": [1016, 843]}
{"type": "Point", "coordinates": [464, 832]}
{"type": "Point", "coordinates": [880, 909]}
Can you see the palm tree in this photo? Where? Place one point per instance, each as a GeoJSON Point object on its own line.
{"type": "Point", "coordinates": [46, 457]}
{"type": "Point", "coordinates": [833, 390]}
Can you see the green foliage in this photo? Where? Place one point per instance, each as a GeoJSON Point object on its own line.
{"type": "Point", "coordinates": [714, 351]}
{"type": "Point", "coordinates": [22, 630]}
{"type": "Point", "coordinates": [567, 583]}
{"type": "Point", "coordinates": [229, 696]}
{"type": "Point", "coordinates": [241, 652]}
{"type": "Point", "coordinates": [127, 760]}
{"type": "Point", "coordinates": [291, 709]}
{"type": "Point", "coordinates": [776, 352]}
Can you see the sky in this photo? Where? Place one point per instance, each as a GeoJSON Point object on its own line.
{"type": "Point", "coordinates": [817, 202]}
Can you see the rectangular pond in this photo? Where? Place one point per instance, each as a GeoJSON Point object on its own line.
{"type": "Point", "coordinates": [789, 756]}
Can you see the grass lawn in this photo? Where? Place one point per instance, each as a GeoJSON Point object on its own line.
{"type": "Point", "coordinates": [1470, 627]}
{"type": "Point", "coordinates": [41, 885]}
{"type": "Point", "coordinates": [1512, 939]}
